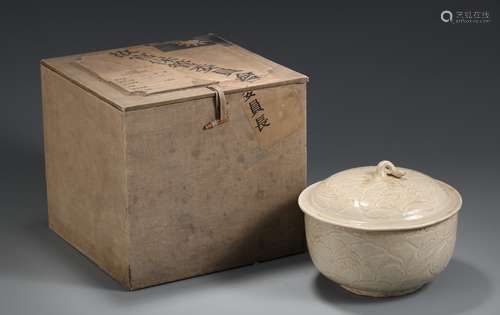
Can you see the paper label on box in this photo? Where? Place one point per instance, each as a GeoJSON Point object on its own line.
{"type": "Point", "coordinates": [148, 69]}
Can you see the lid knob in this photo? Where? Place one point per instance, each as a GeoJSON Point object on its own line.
{"type": "Point", "coordinates": [385, 168]}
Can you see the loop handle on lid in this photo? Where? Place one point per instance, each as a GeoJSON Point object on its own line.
{"type": "Point", "coordinates": [385, 168]}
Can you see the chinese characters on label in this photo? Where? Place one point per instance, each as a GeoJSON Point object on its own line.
{"type": "Point", "coordinates": [248, 95]}
{"type": "Point", "coordinates": [175, 62]}
{"type": "Point", "coordinates": [255, 107]}
{"type": "Point", "coordinates": [257, 110]}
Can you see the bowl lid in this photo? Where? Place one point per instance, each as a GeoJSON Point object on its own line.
{"type": "Point", "coordinates": [381, 197]}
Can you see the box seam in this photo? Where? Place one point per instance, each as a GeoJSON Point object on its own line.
{"type": "Point", "coordinates": [126, 196]}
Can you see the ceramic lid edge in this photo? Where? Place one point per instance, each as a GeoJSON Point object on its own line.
{"type": "Point", "coordinates": [384, 225]}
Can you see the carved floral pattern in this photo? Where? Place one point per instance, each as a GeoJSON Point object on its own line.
{"type": "Point", "coordinates": [381, 263]}
{"type": "Point", "coordinates": [364, 199]}
{"type": "Point", "coordinates": [360, 194]}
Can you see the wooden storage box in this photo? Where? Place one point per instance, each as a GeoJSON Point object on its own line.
{"type": "Point", "coordinates": [170, 160]}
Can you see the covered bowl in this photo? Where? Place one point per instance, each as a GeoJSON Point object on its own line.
{"type": "Point", "coordinates": [380, 230]}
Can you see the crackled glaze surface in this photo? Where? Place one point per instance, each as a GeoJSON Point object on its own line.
{"type": "Point", "coordinates": [380, 263]}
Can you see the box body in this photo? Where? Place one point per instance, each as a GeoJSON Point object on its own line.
{"type": "Point", "coordinates": [136, 184]}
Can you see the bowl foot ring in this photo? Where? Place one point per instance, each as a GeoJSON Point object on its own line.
{"type": "Point", "coordinates": [380, 293]}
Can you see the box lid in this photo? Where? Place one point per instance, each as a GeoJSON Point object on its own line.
{"type": "Point", "coordinates": [169, 72]}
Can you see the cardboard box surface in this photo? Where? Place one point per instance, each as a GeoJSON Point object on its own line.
{"type": "Point", "coordinates": [137, 184]}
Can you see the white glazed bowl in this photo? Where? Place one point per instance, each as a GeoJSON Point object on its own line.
{"type": "Point", "coordinates": [369, 258]}
{"type": "Point", "coordinates": [380, 263]}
